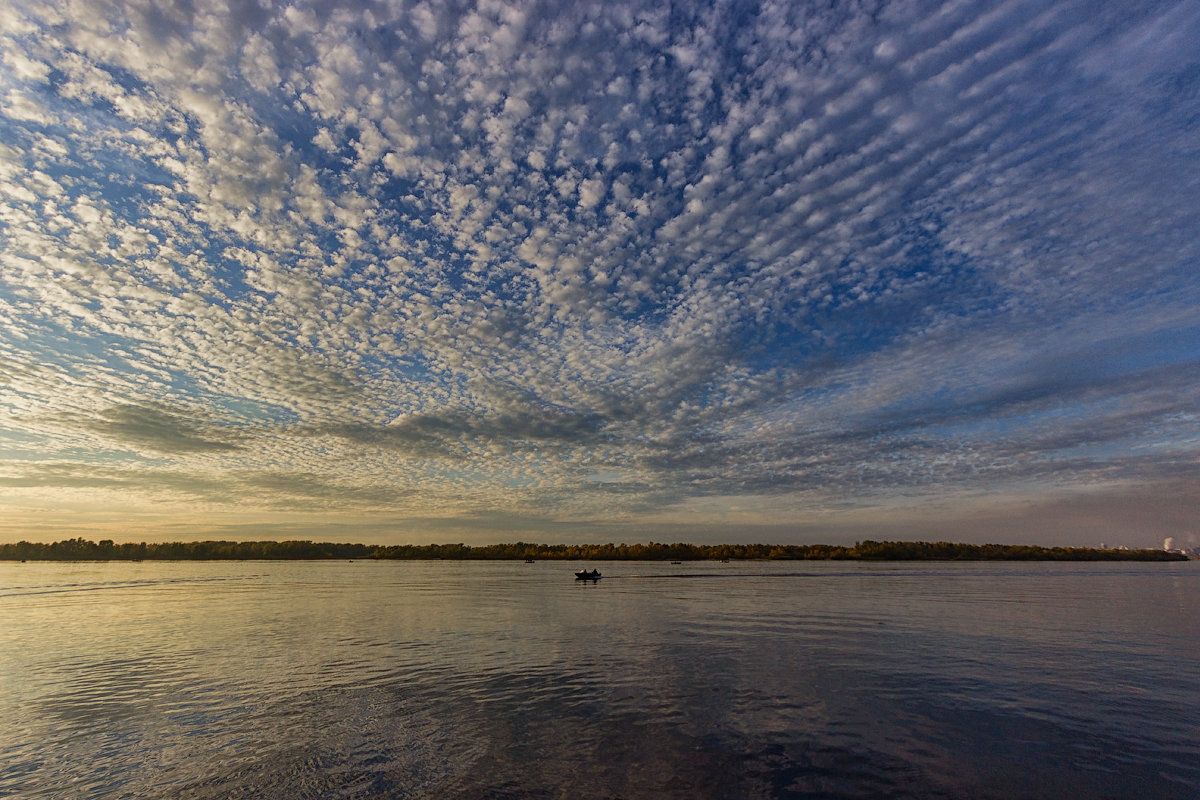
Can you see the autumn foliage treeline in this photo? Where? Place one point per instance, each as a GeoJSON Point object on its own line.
{"type": "Point", "coordinates": [107, 550]}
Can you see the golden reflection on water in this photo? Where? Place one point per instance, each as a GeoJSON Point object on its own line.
{"type": "Point", "coordinates": [471, 679]}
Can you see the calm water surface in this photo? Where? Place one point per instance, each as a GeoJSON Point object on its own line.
{"type": "Point", "coordinates": [471, 680]}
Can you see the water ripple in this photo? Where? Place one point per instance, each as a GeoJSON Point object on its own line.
{"type": "Point", "coordinates": [318, 680]}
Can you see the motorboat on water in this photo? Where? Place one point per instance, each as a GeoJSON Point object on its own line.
{"type": "Point", "coordinates": [584, 575]}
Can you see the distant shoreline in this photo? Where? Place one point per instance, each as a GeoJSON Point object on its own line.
{"type": "Point", "coordinates": [107, 550]}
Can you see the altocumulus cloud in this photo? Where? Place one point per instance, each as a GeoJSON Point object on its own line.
{"type": "Point", "coordinates": [594, 267]}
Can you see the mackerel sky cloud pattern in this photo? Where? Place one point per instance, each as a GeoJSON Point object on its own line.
{"type": "Point", "coordinates": [407, 271]}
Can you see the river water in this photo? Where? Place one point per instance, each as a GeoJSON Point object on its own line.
{"type": "Point", "coordinates": [508, 680]}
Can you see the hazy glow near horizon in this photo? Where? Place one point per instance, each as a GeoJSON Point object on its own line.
{"type": "Point", "coordinates": [412, 270]}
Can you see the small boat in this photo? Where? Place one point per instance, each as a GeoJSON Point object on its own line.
{"type": "Point", "coordinates": [584, 575]}
{"type": "Point", "coordinates": [529, 561]}
{"type": "Point", "coordinates": [676, 562]}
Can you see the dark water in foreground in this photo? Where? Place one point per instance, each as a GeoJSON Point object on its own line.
{"type": "Point", "coordinates": [509, 680]}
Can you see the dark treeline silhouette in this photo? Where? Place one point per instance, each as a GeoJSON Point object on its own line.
{"type": "Point", "coordinates": [956, 551]}
{"type": "Point", "coordinates": [107, 550]}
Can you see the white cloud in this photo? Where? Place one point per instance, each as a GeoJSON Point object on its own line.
{"type": "Point", "coordinates": [713, 254]}
{"type": "Point", "coordinates": [19, 106]}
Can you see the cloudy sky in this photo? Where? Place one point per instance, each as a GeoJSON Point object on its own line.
{"type": "Point", "coordinates": [740, 271]}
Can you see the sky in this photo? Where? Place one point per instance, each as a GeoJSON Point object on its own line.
{"type": "Point", "coordinates": [790, 272]}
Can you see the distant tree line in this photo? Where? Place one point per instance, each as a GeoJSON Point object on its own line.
{"type": "Point", "coordinates": [956, 551]}
{"type": "Point", "coordinates": [653, 551]}
{"type": "Point", "coordinates": [107, 550]}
